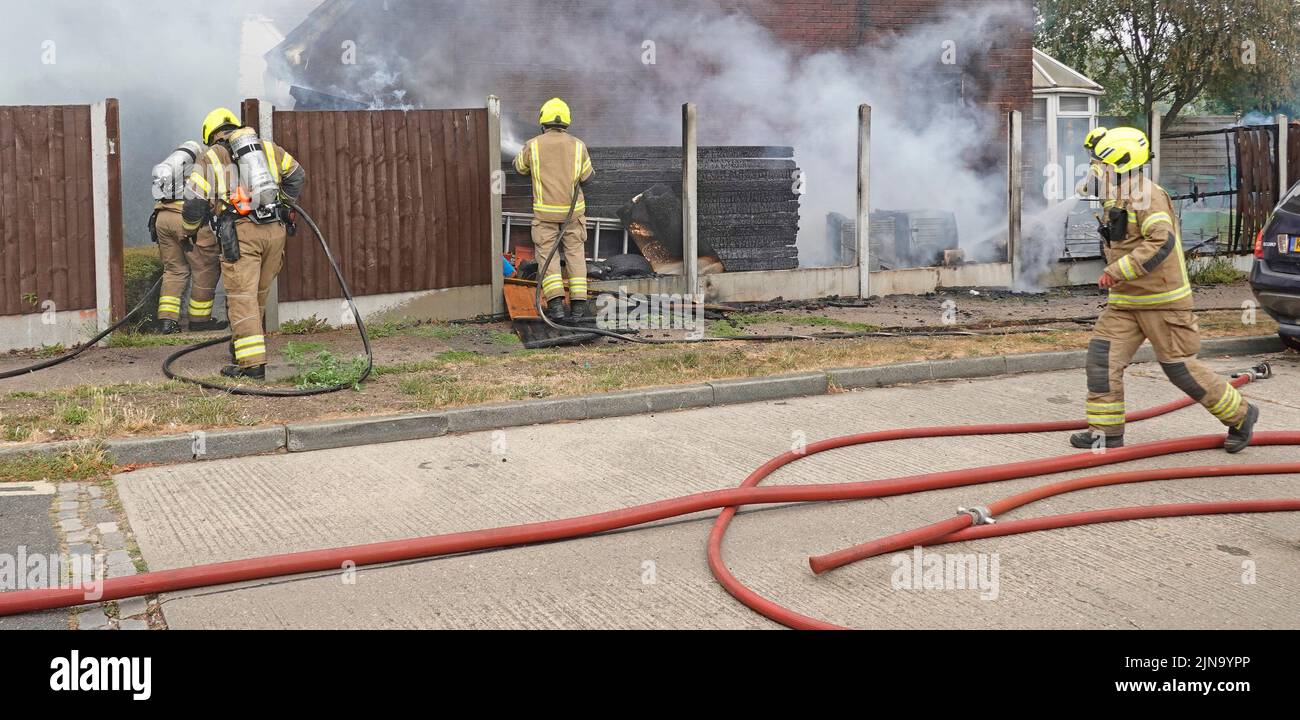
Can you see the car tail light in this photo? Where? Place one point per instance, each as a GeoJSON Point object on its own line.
{"type": "Point", "coordinates": [1259, 245]}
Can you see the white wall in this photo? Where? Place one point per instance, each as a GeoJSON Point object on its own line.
{"type": "Point", "coordinates": [23, 332]}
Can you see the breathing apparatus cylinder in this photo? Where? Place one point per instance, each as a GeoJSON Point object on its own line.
{"type": "Point", "coordinates": [255, 174]}
{"type": "Point", "coordinates": [170, 175]}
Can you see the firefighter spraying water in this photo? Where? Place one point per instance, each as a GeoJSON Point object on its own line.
{"type": "Point", "coordinates": [1150, 298]}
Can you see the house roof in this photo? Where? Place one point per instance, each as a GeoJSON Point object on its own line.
{"type": "Point", "coordinates": [288, 59]}
{"type": "Point", "coordinates": [1053, 76]}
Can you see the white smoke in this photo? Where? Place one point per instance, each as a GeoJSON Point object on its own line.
{"type": "Point", "coordinates": [168, 62]}
{"type": "Point", "coordinates": [1255, 117]}
{"type": "Point", "coordinates": [1043, 239]}
{"type": "Point", "coordinates": [639, 61]}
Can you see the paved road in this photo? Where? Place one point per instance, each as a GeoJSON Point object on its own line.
{"type": "Point", "coordinates": [26, 531]}
{"type": "Point", "coordinates": [1220, 572]}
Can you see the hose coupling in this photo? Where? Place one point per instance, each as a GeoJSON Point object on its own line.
{"type": "Point", "coordinates": [979, 516]}
{"type": "Point", "coordinates": [1262, 371]}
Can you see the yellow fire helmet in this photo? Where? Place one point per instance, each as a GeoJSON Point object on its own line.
{"type": "Point", "coordinates": [216, 120]}
{"type": "Point", "coordinates": [1124, 149]}
{"type": "Point", "coordinates": [556, 112]}
{"type": "Point", "coordinates": [1094, 137]}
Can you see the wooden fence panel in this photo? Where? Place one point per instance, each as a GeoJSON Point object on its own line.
{"type": "Point", "coordinates": [402, 197]}
{"type": "Point", "coordinates": [47, 236]}
{"type": "Point", "coordinates": [1257, 196]}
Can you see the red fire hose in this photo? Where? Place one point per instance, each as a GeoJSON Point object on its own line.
{"type": "Point", "coordinates": [748, 494]}
{"type": "Point", "coordinates": [957, 528]}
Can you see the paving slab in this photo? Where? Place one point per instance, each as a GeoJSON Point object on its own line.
{"type": "Point", "coordinates": [1217, 572]}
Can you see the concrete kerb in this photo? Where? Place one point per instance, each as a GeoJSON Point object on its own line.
{"type": "Point", "coordinates": [305, 437]}
{"type": "Point", "coordinates": [503, 415]}
{"type": "Point", "coordinates": [881, 376]}
{"type": "Point", "coordinates": [654, 400]}
{"type": "Point", "coordinates": [782, 387]}
{"type": "Point", "coordinates": [151, 451]}
{"type": "Point", "coordinates": [20, 451]}
{"type": "Point", "coordinates": [224, 444]}
{"type": "Point", "coordinates": [1243, 346]}
{"type": "Point", "coordinates": [203, 445]}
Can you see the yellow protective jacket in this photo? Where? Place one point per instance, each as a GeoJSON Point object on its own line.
{"type": "Point", "coordinates": [556, 161]}
{"type": "Point", "coordinates": [1148, 262]}
{"type": "Point", "coordinates": [215, 177]}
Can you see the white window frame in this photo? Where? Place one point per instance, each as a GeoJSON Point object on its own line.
{"type": "Point", "coordinates": [1054, 116]}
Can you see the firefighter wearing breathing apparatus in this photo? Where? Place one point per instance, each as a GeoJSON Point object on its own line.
{"type": "Point", "coordinates": [189, 261]}
{"type": "Point", "coordinates": [559, 164]}
{"type": "Point", "coordinates": [1150, 299]}
{"type": "Point", "coordinates": [1090, 185]}
{"type": "Point", "coordinates": [241, 188]}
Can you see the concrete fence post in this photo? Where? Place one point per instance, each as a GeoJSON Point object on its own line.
{"type": "Point", "coordinates": [497, 188]}
{"type": "Point", "coordinates": [1015, 192]}
{"type": "Point", "coordinates": [690, 197]}
{"type": "Point", "coordinates": [1157, 144]}
{"type": "Point", "coordinates": [862, 228]}
{"type": "Point", "coordinates": [106, 200]}
{"type": "Point", "coordinates": [1283, 156]}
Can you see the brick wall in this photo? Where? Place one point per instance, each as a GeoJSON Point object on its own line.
{"type": "Point", "coordinates": [1003, 69]}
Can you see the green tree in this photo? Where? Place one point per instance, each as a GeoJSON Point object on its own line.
{"type": "Point", "coordinates": [1237, 55]}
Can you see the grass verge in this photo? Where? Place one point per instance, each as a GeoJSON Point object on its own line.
{"type": "Point", "coordinates": [84, 462]}
{"type": "Point", "coordinates": [458, 378]}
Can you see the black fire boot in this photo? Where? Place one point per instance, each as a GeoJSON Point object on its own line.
{"type": "Point", "coordinates": [208, 325]}
{"type": "Point", "coordinates": [578, 310]}
{"type": "Point", "coordinates": [555, 310]}
{"type": "Point", "coordinates": [256, 372]}
{"type": "Point", "coordinates": [167, 327]}
{"type": "Point", "coordinates": [1088, 441]}
{"type": "Point", "coordinates": [1240, 436]}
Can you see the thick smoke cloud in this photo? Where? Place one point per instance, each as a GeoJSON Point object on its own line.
{"type": "Point", "coordinates": [168, 63]}
{"type": "Point", "coordinates": [935, 145]}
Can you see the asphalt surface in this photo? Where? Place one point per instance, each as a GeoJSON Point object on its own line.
{"type": "Point", "coordinates": [27, 531]}
{"type": "Point", "coordinates": [1213, 572]}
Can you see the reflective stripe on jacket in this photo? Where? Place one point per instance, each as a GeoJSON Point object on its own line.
{"type": "Point", "coordinates": [1149, 262]}
{"type": "Point", "coordinates": [215, 174]}
{"type": "Point", "coordinates": [556, 161]}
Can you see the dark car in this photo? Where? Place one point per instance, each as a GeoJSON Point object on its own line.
{"type": "Point", "coordinates": [1276, 277]}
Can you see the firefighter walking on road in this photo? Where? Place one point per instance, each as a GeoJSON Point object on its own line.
{"type": "Point", "coordinates": [241, 187]}
{"type": "Point", "coordinates": [559, 165]}
{"type": "Point", "coordinates": [1150, 299]}
{"type": "Point", "coordinates": [189, 262]}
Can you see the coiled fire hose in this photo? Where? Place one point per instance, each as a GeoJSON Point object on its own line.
{"type": "Point", "coordinates": [262, 392]}
{"type": "Point", "coordinates": [89, 343]}
{"type": "Point", "coordinates": [165, 581]}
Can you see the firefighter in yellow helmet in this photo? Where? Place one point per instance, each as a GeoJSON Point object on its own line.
{"type": "Point", "coordinates": [1150, 299]}
{"type": "Point", "coordinates": [188, 264]}
{"type": "Point", "coordinates": [241, 187]}
{"type": "Point", "coordinates": [559, 165]}
{"type": "Point", "coordinates": [1096, 169]}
